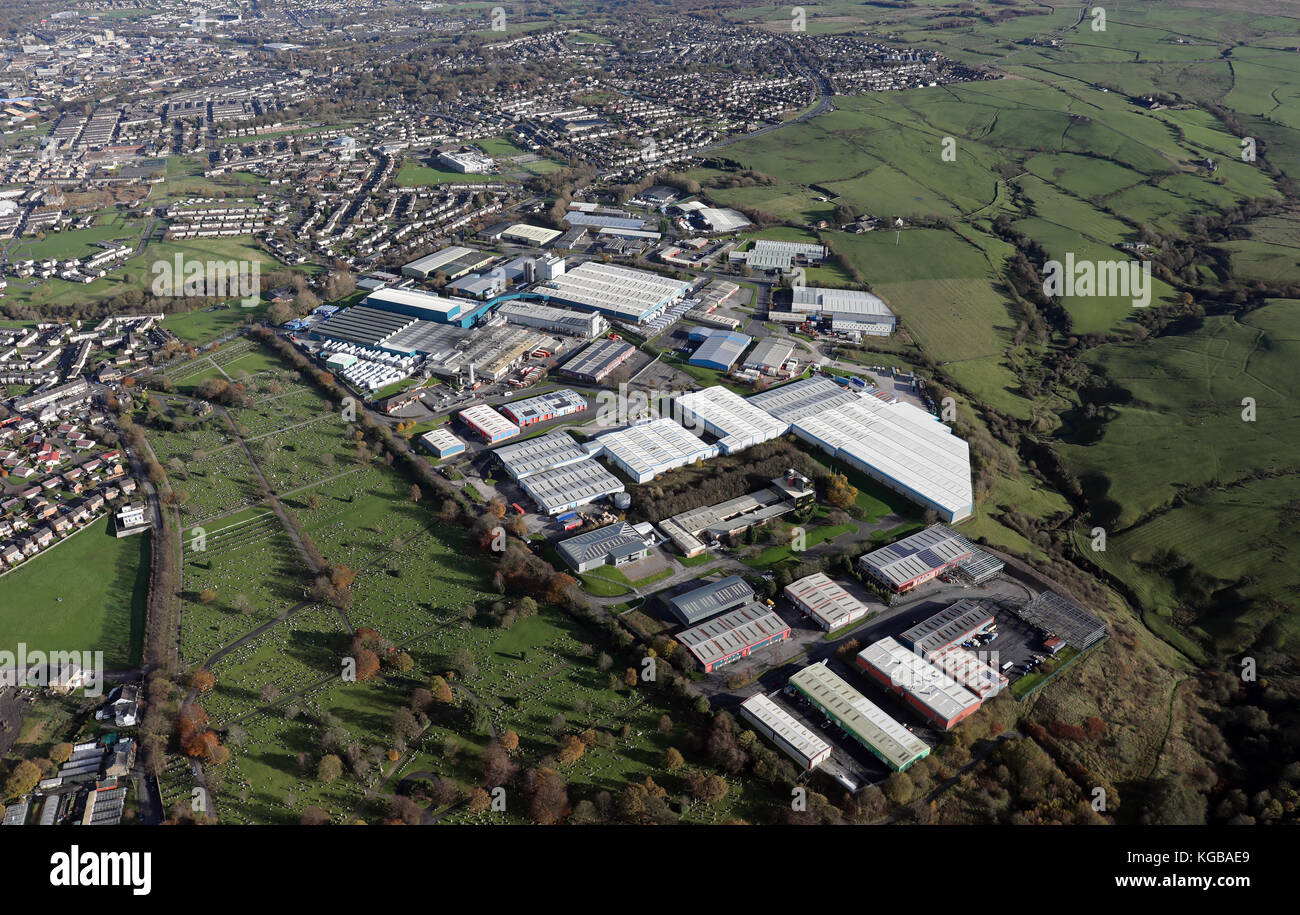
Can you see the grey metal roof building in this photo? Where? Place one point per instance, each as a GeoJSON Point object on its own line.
{"type": "Point", "coordinates": [953, 624]}
{"type": "Point", "coordinates": [716, 597]}
{"type": "Point", "coordinates": [598, 359]}
{"type": "Point", "coordinates": [723, 413]}
{"type": "Point", "coordinates": [566, 487]}
{"type": "Point", "coordinates": [807, 397]}
{"type": "Point", "coordinates": [770, 354]}
{"type": "Point", "coordinates": [825, 601]}
{"type": "Point", "coordinates": [918, 558]}
{"type": "Point", "coordinates": [786, 731]}
{"type": "Point", "coordinates": [363, 325]}
{"type": "Point", "coordinates": [720, 349]}
{"type": "Point", "coordinates": [554, 449]}
{"type": "Point", "coordinates": [1055, 615]}
{"type": "Point", "coordinates": [614, 544]}
{"type": "Point", "coordinates": [859, 717]}
{"type": "Point", "coordinates": [733, 635]}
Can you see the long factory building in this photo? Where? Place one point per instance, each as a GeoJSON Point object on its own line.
{"type": "Point", "coordinates": [825, 602]}
{"type": "Point", "coordinates": [918, 558]}
{"type": "Point", "coordinates": [597, 360]}
{"type": "Point", "coordinates": [859, 717]}
{"type": "Point", "coordinates": [934, 695]}
{"type": "Point", "coordinates": [488, 424]}
{"type": "Point", "coordinates": [543, 407]}
{"type": "Point", "coordinates": [789, 734]}
{"type": "Point", "coordinates": [733, 635]}
{"type": "Point", "coordinates": [645, 450]}
{"type": "Point", "coordinates": [900, 445]}
{"type": "Point", "coordinates": [557, 473]}
{"type": "Point", "coordinates": [952, 625]}
{"type": "Point", "coordinates": [724, 414]}
{"type": "Point", "coordinates": [622, 293]}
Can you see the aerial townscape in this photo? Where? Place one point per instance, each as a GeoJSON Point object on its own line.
{"type": "Point", "coordinates": [649, 413]}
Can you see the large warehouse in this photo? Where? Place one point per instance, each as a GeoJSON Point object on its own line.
{"type": "Point", "coordinates": [553, 320]}
{"type": "Point", "coordinates": [859, 717]}
{"type": "Point", "coordinates": [848, 309]}
{"type": "Point", "coordinates": [807, 397]}
{"type": "Point", "coordinates": [900, 446]}
{"type": "Point", "coordinates": [829, 605]}
{"type": "Point", "coordinates": [543, 407]}
{"type": "Point", "coordinates": [568, 486]}
{"type": "Point", "coordinates": [554, 449]}
{"type": "Point", "coordinates": [933, 694]}
{"type": "Point", "coordinates": [952, 625]}
{"type": "Point", "coordinates": [615, 545]}
{"type": "Point", "coordinates": [426, 306]}
{"type": "Point", "coordinates": [555, 472]}
{"type": "Point", "coordinates": [786, 731]}
{"type": "Point", "coordinates": [645, 450]}
{"type": "Point", "coordinates": [488, 424]}
{"type": "Point", "coordinates": [526, 234]}
{"type": "Point", "coordinates": [623, 293]}
{"type": "Point", "coordinates": [967, 668]}
{"type": "Point", "coordinates": [721, 412]}
{"type": "Point", "coordinates": [769, 254]}
{"type": "Point", "coordinates": [916, 559]}
{"type": "Point", "coordinates": [454, 261]}
{"type": "Point", "coordinates": [597, 360]}
{"type": "Point", "coordinates": [733, 635]}
{"type": "Point", "coordinates": [720, 348]}
{"type": "Point", "coordinates": [442, 443]}
{"type": "Point", "coordinates": [698, 604]}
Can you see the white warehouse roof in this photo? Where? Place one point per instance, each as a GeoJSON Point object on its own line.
{"type": "Point", "coordinates": [906, 446]}
{"type": "Point", "coordinates": [648, 449]}
{"type": "Point", "coordinates": [633, 295]}
{"type": "Point", "coordinates": [918, 678]}
{"type": "Point", "coordinates": [725, 414]}
{"type": "Point", "coordinates": [786, 726]}
{"type": "Point", "coordinates": [555, 449]}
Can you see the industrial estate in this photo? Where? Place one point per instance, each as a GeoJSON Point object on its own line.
{"type": "Point", "coordinates": [426, 414]}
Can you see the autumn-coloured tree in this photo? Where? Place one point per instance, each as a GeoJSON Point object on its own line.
{"type": "Point", "coordinates": [342, 577]}
{"type": "Point", "coordinates": [22, 779]}
{"type": "Point", "coordinates": [630, 677]}
{"type": "Point", "coordinates": [60, 752]}
{"type": "Point", "coordinates": [558, 587]}
{"type": "Point", "coordinates": [479, 800]}
{"type": "Point", "coordinates": [571, 750]}
{"type": "Point", "coordinates": [329, 768]}
{"type": "Point", "coordinates": [207, 596]}
{"type": "Point", "coordinates": [839, 492]}
{"type": "Point", "coordinates": [510, 740]}
{"type": "Point", "coordinates": [415, 493]}
{"type": "Point", "coordinates": [498, 767]}
{"type": "Point", "coordinates": [548, 797]}
{"type": "Point", "coordinates": [367, 665]}
{"type": "Point", "coordinates": [202, 680]}
{"type": "Point", "coordinates": [441, 690]}
{"type": "Point", "coordinates": [403, 661]}
{"type": "Point", "coordinates": [673, 759]}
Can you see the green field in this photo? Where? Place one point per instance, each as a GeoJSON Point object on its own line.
{"type": "Point", "coordinates": [85, 593]}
